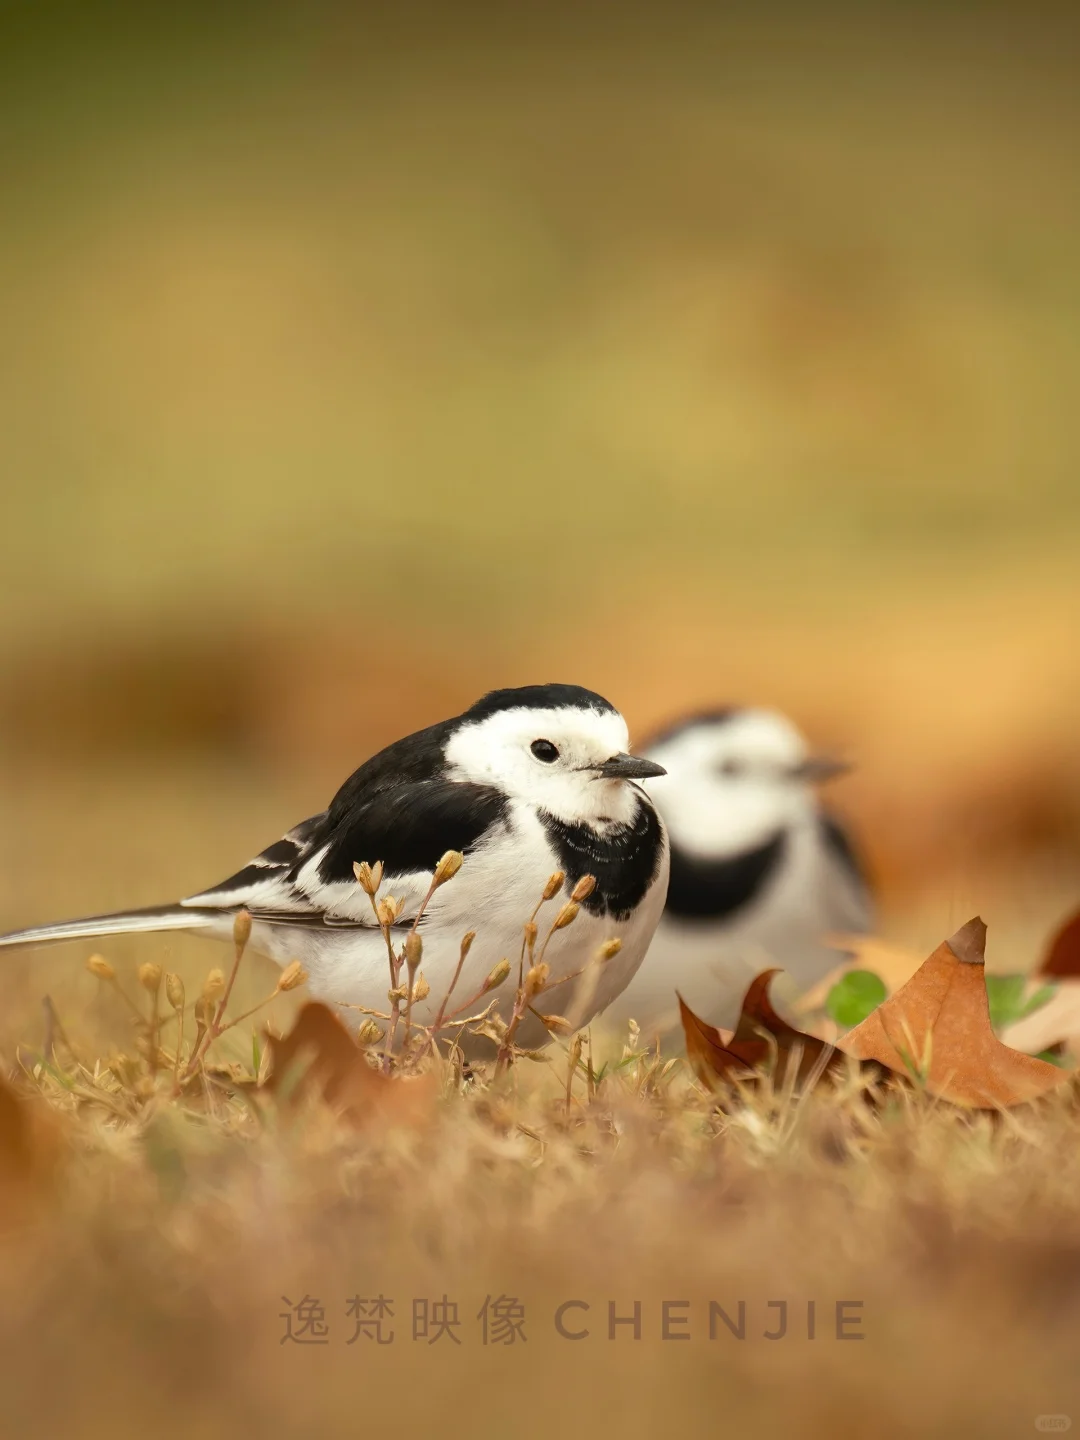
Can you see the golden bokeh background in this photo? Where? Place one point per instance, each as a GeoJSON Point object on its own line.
{"type": "Point", "coordinates": [358, 362]}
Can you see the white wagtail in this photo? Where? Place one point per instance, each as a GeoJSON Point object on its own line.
{"type": "Point", "coordinates": [760, 872]}
{"type": "Point", "coordinates": [525, 783]}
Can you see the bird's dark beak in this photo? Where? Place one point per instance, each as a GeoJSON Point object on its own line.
{"type": "Point", "coordinates": [817, 768]}
{"type": "Point", "coordinates": [628, 767]}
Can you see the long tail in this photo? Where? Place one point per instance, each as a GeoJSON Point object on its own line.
{"type": "Point", "coordinates": [127, 922]}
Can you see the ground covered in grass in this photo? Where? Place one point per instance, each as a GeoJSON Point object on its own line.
{"type": "Point", "coordinates": [231, 1258]}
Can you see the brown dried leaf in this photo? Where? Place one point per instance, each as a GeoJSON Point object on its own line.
{"type": "Point", "coordinates": [1063, 954]}
{"type": "Point", "coordinates": [760, 1033]}
{"type": "Point", "coordinates": [318, 1057]}
{"type": "Point", "coordinates": [941, 1019]}
{"type": "Point", "coordinates": [706, 1048]}
{"type": "Point", "coordinates": [29, 1132]}
{"type": "Point", "coordinates": [16, 1141]}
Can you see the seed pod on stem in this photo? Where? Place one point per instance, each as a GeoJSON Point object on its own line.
{"type": "Point", "coordinates": [293, 975]}
{"type": "Point", "coordinates": [241, 930]}
{"type": "Point", "coordinates": [414, 949]}
{"type": "Point", "coordinates": [567, 915]}
{"type": "Point", "coordinates": [496, 975]}
{"type": "Point", "coordinates": [150, 977]}
{"type": "Point", "coordinates": [554, 885]}
{"type": "Point", "coordinates": [584, 888]}
{"type": "Point", "coordinates": [535, 980]}
{"type": "Point", "coordinates": [447, 867]}
{"type": "Point", "coordinates": [557, 1024]}
{"type": "Point", "coordinates": [368, 877]}
{"type": "Point", "coordinates": [213, 985]}
{"type": "Point", "coordinates": [99, 966]}
{"type": "Point", "coordinates": [387, 911]}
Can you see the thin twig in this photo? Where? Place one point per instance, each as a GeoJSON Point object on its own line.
{"type": "Point", "coordinates": [214, 1027]}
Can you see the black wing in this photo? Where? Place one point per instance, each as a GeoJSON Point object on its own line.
{"type": "Point", "coordinates": [308, 874]}
{"type": "Point", "coordinates": [266, 881]}
{"type": "Point", "coordinates": [409, 827]}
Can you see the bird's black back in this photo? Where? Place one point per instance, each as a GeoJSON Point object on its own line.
{"type": "Point", "coordinates": [408, 761]}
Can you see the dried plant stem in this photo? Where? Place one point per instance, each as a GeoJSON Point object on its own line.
{"type": "Point", "coordinates": [127, 999]}
{"type": "Point", "coordinates": [466, 943]}
{"type": "Point", "coordinates": [470, 1019]}
{"type": "Point", "coordinates": [528, 934]}
{"type": "Point", "coordinates": [408, 1015]}
{"type": "Point", "coordinates": [247, 1014]}
{"type": "Point", "coordinates": [48, 1042]}
{"type": "Point", "coordinates": [395, 972]}
{"type": "Point", "coordinates": [219, 1014]}
{"type": "Point", "coordinates": [54, 1030]}
{"type": "Point", "coordinates": [573, 1056]}
{"type": "Point", "coordinates": [360, 1009]}
{"type": "Point", "coordinates": [521, 1004]}
{"type": "Point", "coordinates": [241, 934]}
{"type": "Point", "coordinates": [412, 951]}
{"type": "Point", "coordinates": [153, 1031]}
{"type": "Point", "coordinates": [179, 1051]}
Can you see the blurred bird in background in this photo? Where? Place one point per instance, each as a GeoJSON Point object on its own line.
{"type": "Point", "coordinates": [760, 870]}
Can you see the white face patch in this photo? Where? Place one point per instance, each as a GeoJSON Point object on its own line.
{"type": "Point", "coordinates": [732, 784]}
{"type": "Point", "coordinates": [499, 751]}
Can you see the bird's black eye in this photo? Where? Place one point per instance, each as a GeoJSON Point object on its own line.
{"type": "Point", "coordinates": [731, 768]}
{"type": "Point", "coordinates": [544, 750]}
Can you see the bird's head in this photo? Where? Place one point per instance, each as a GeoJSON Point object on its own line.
{"type": "Point", "coordinates": [558, 747]}
{"type": "Point", "coordinates": [734, 778]}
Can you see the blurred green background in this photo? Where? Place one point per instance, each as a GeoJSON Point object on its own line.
{"type": "Point", "coordinates": [356, 361]}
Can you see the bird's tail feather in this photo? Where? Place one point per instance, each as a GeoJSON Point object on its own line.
{"type": "Point", "coordinates": [126, 922]}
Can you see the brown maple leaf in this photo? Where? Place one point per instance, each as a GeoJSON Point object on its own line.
{"type": "Point", "coordinates": [937, 1026]}
{"type": "Point", "coordinates": [759, 1034]}
{"type": "Point", "coordinates": [30, 1135]}
{"type": "Point", "coordinates": [1063, 953]}
{"type": "Point", "coordinates": [318, 1057]}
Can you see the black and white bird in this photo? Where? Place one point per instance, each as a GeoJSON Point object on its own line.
{"type": "Point", "coordinates": [525, 783]}
{"type": "Point", "coordinates": [760, 871]}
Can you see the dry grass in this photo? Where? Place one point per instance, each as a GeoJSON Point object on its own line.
{"type": "Point", "coordinates": [145, 1262]}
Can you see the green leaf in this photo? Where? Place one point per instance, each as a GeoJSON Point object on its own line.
{"type": "Point", "coordinates": [1007, 1003]}
{"type": "Point", "coordinates": [854, 996]}
{"type": "Point", "coordinates": [1006, 996]}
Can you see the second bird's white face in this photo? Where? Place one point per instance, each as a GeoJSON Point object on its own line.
{"type": "Point", "coordinates": [732, 783]}
{"type": "Point", "coordinates": [546, 758]}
